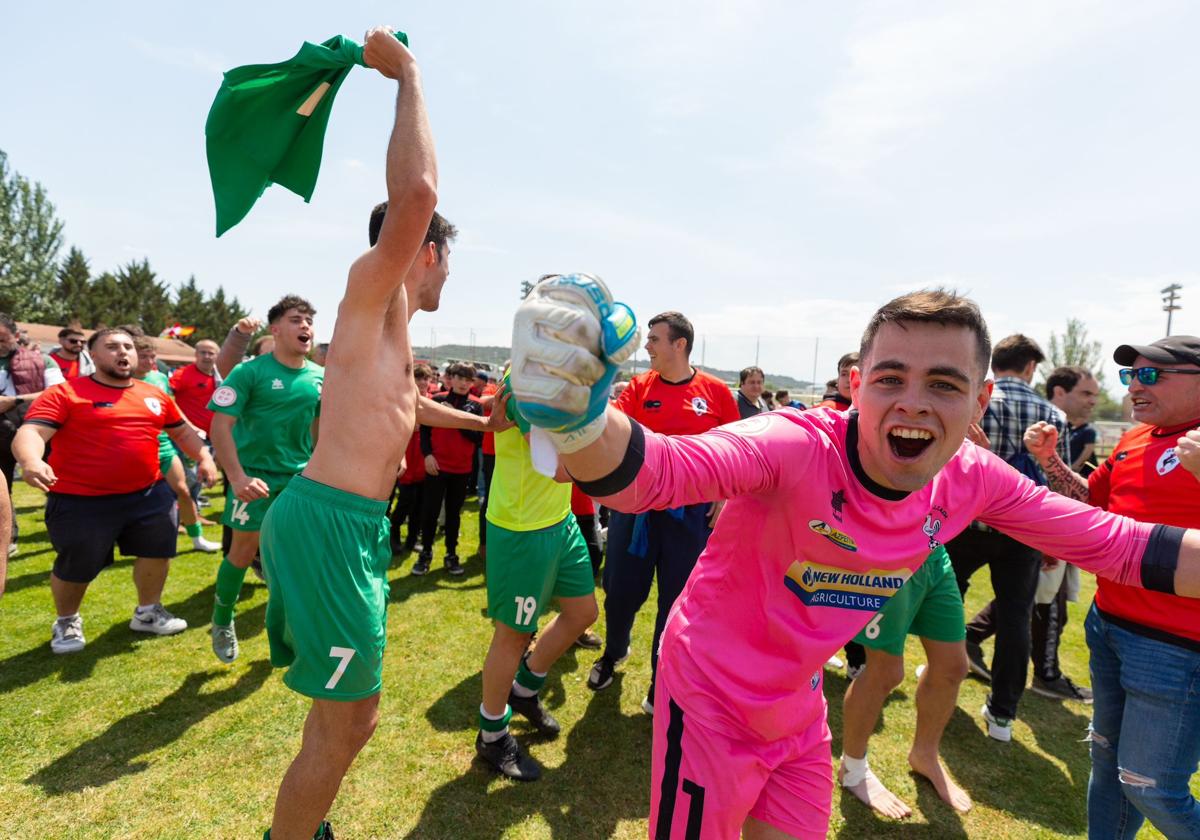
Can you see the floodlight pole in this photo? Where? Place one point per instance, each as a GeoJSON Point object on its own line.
{"type": "Point", "coordinates": [1169, 302]}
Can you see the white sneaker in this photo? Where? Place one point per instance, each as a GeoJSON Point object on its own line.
{"type": "Point", "coordinates": [208, 546]}
{"type": "Point", "coordinates": [998, 729]}
{"type": "Point", "coordinates": [156, 620]}
{"type": "Point", "coordinates": [224, 642]}
{"type": "Point", "coordinates": [66, 635]}
{"type": "Point", "coordinates": [835, 662]}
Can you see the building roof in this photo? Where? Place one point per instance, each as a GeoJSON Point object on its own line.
{"type": "Point", "coordinates": [170, 350]}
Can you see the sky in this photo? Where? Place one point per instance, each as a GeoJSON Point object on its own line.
{"type": "Point", "coordinates": [774, 170]}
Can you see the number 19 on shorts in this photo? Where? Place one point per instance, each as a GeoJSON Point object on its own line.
{"type": "Point", "coordinates": [526, 609]}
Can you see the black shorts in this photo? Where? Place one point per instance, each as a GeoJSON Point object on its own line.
{"type": "Point", "coordinates": [84, 529]}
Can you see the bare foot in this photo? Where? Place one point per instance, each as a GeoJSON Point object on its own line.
{"type": "Point", "coordinates": [936, 775]}
{"type": "Point", "coordinates": [871, 792]}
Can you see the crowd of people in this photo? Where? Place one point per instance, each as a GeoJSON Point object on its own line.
{"type": "Point", "coordinates": [777, 533]}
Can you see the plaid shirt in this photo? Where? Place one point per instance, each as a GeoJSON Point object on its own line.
{"type": "Point", "coordinates": [1013, 409]}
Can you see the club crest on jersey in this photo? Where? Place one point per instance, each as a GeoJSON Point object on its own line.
{"type": "Point", "coordinates": [224, 396]}
{"type": "Point", "coordinates": [838, 538]}
{"type": "Point", "coordinates": [1168, 461]}
{"type": "Point", "coordinates": [155, 405]}
{"type": "Point", "coordinates": [826, 586]}
{"type": "Point", "coordinates": [700, 406]}
{"type": "Point", "coordinates": [276, 384]}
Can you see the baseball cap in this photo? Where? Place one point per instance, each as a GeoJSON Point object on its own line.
{"type": "Point", "coordinates": [1173, 348]}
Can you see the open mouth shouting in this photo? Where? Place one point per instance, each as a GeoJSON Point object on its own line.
{"type": "Point", "coordinates": [305, 339]}
{"type": "Point", "coordinates": [908, 443]}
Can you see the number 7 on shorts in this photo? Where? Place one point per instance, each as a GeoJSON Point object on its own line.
{"type": "Point", "coordinates": [345, 654]}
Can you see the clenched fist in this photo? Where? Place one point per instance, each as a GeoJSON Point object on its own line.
{"type": "Point", "coordinates": [1041, 439]}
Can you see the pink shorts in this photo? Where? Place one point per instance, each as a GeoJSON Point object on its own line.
{"type": "Point", "coordinates": [704, 782]}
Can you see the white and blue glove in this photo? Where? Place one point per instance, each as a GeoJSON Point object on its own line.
{"type": "Point", "coordinates": [569, 338]}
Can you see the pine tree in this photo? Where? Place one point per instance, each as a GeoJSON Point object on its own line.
{"type": "Point", "coordinates": [74, 280]}
{"type": "Point", "coordinates": [143, 297]}
{"type": "Point", "coordinates": [30, 238]}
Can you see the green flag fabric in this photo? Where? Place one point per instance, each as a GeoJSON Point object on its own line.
{"type": "Point", "coordinates": [267, 125]}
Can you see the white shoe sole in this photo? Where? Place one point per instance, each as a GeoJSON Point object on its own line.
{"type": "Point", "coordinates": [70, 647]}
{"type": "Point", "coordinates": [153, 629]}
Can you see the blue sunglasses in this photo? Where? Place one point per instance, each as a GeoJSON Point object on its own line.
{"type": "Point", "coordinates": [1148, 375]}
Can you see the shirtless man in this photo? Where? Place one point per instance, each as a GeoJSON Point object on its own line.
{"type": "Point", "coordinates": [325, 540]}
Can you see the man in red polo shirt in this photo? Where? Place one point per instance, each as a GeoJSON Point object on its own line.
{"type": "Point", "coordinates": [1145, 646]}
{"type": "Point", "coordinates": [672, 398]}
{"type": "Point", "coordinates": [69, 355]}
{"type": "Point", "coordinates": [104, 483]}
{"type": "Point", "coordinates": [194, 384]}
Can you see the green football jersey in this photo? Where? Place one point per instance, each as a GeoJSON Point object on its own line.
{"type": "Point", "coordinates": [159, 380]}
{"type": "Point", "coordinates": [274, 406]}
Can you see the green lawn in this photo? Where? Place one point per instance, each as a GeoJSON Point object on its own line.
{"type": "Point", "coordinates": [143, 738]}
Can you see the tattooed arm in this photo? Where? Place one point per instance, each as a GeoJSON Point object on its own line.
{"type": "Point", "coordinates": [1041, 439]}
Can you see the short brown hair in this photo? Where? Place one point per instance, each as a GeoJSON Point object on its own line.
{"type": "Point", "coordinates": [66, 331]}
{"type": "Point", "coordinates": [748, 372]}
{"type": "Point", "coordinates": [933, 306]}
{"type": "Point", "coordinates": [289, 302]}
{"type": "Point", "coordinates": [440, 231]}
{"type": "Point", "coordinates": [677, 327]}
{"type": "Point", "coordinates": [422, 371]}
{"type": "Point", "coordinates": [142, 344]}
{"type": "Point", "coordinates": [1014, 352]}
{"type": "Point", "coordinates": [1066, 377]}
{"type": "Point", "coordinates": [100, 335]}
{"type": "Point", "coordinates": [849, 360]}
{"type": "Point", "coordinates": [461, 369]}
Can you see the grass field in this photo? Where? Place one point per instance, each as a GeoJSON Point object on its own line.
{"type": "Point", "coordinates": [143, 737]}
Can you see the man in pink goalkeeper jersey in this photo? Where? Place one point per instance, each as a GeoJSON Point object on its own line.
{"type": "Point", "coordinates": [828, 515]}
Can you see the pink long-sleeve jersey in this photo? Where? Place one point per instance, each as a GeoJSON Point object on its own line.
{"type": "Point", "coordinates": [809, 548]}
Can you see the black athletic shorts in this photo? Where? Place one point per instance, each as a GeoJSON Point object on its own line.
{"type": "Point", "coordinates": [84, 529]}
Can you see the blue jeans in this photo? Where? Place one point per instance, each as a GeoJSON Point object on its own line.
{"type": "Point", "coordinates": [1145, 733]}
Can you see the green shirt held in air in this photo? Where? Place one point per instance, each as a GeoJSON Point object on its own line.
{"type": "Point", "coordinates": [274, 406]}
{"type": "Point", "coordinates": [267, 125]}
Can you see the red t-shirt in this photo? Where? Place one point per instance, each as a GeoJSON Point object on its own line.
{"type": "Point", "coordinates": [453, 448]}
{"type": "Point", "coordinates": [414, 461]}
{"type": "Point", "coordinates": [695, 405]}
{"type": "Point", "coordinates": [193, 390]}
{"type": "Point", "coordinates": [69, 367]}
{"type": "Point", "coordinates": [489, 438]}
{"type": "Point", "coordinates": [1142, 479]}
{"type": "Point", "coordinates": [107, 438]}
{"type": "Point", "coordinates": [581, 503]}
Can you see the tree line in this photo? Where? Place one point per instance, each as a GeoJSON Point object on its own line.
{"type": "Point", "coordinates": [37, 286]}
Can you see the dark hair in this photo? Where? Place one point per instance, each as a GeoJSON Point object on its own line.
{"type": "Point", "coordinates": [422, 371]}
{"type": "Point", "coordinates": [101, 334]}
{"type": "Point", "coordinates": [781, 395]}
{"type": "Point", "coordinates": [440, 231]}
{"type": "Point", "coordinates": [748, 372]}
{"type": "Point", "coordinates": [131, 330]}
{"type": "Point", "coordinates": [1015, 352]}
{"type": "Point", "coordinates": [7, 322]}
{"type": "Point", "coordinates": [1066, 377]}
{"type": "Point", "coordinates": [461, 369]}
{"type": "Point", "coordinates": [141, 343]}
{"type": "Point", "coordinates": [677, 327]}
{"type": "Point", "coordinates": [289, 302]}
{"type": "Point", "coordinates": [849, 360]}
{"type": "Point", "coordinates": [932, 306]}
{"type": "Point", "coordinates": [66, 331]}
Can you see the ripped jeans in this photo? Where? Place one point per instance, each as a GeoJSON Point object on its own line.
{"type": "Point", "coordinates": [1145, 733]}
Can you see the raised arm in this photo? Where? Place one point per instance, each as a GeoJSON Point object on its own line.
{"type": "Point", "coordinates": [1041, 439]}
{"type": "Point", "coordinates": [411, 182]}
{"type": "Point", "coordinates": [233, 348]}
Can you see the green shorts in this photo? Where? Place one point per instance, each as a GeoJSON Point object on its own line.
{"type": "Point", "coordinates": [929, 605]}
{"type": "Point", "coordinates": [326, 555]}
{"type": "Point", "coordinates": [525, 569]}
{"type": "Point", "coordinates": [248, 516]}
{"type": "Point", "coordinates": [164, 462]}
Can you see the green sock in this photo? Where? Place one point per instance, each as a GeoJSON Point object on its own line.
{"type": "Point", "coordinates": [528, 679]}
{"type": "Point", "coordinates": [193, 530]}
{"type": "Point", "coordinates": [229, 587]}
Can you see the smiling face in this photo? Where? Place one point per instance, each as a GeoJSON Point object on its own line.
{"type": "Point", "coordinates": [1171, 401]}
{"type": "Point", "coordinates": [664, 353]}
{"type": "Point", "coordinates": [753, 387]}
{"type": "Point", "coordinates": [918, 389]}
